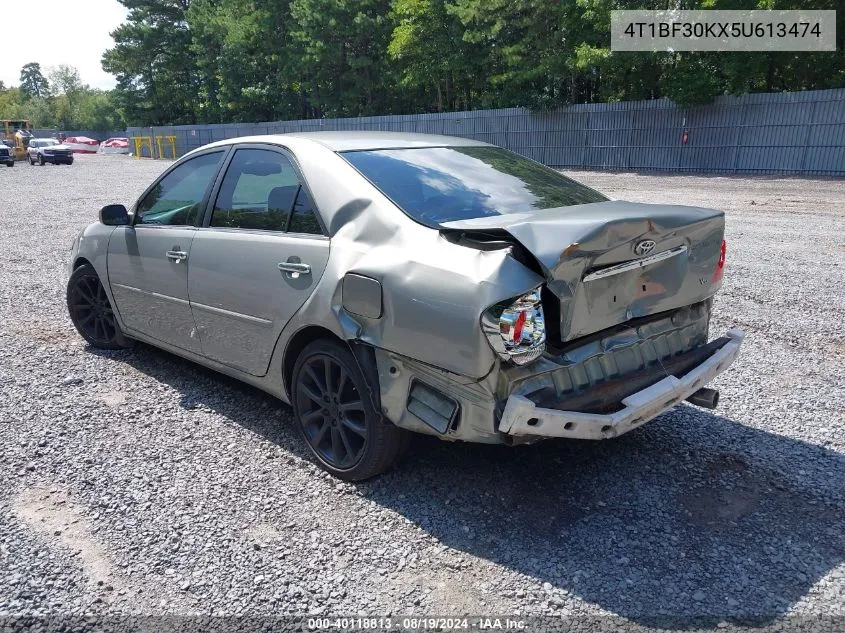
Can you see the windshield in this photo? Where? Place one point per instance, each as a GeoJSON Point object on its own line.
{"type": "Point", "coordinates": [47, 142]}
{"type": "Point", "coordinates": [435, 185]}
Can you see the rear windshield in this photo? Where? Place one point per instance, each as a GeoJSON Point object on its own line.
{"type": "Point", "coordinates": [435, 185]}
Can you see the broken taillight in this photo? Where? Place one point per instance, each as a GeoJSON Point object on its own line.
{"type": "Point", "coordinates": [516, 328]}
{"type": "Point", "coordinates": [720, 265]}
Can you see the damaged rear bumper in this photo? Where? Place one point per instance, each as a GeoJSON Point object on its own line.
{"type": "Point", "coordinates": [523, 417]}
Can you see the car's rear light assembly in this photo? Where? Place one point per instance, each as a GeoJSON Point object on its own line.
{"type": "Point", "coordinates": [516, 329]}
{"type": "Point", "coordinates": [720, 265]}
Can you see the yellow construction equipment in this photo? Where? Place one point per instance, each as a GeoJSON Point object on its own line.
{"type": "Point", "coordinates": [16, 134]}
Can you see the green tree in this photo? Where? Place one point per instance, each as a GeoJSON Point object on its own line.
{"type": "Point", "coordinates": [64, 79]}
{"type": "Point", "coordinates": [97, 111]}
{"type": "Point", "coordinates": [527, 48]}
{"type": "Point", "coordinates": [156, 74]}
{"type": "Point", "coordinates": [14, 104]}
{"type": "Point", "coordinates": [340, 48]}
{"type": "Point", "coordinates": [66, 87]}
{"type": "Point", "coordinates": [186, 61]}
{"type": "Point", "coordinates": [429, 52]}
{"type": "Point", "coordinates": [243, 56]}
{"type": "Point", "coordinates": [33, 83]}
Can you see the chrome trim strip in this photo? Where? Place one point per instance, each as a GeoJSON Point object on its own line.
{"type": "Point", "coordinates": [150, 293]}
{"type": "Point", "coordinates": [234, 315]}
{"type": "Point", "coordinates": [237, 230]}
{"type": "Point", "coordinates": [633, 265]}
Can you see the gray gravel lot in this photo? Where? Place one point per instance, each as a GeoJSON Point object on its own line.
{"type": "Point", "coordinates": [136, 482]}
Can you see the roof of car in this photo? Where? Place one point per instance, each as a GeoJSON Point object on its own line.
{"type": "Point", "coordinates": [363, 140]}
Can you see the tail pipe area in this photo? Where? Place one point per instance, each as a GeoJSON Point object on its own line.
{"type": "Point", "coordinates": [705, 397]}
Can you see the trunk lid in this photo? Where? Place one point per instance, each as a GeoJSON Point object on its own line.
{"type": "Point", "coordinates": [590, 258]}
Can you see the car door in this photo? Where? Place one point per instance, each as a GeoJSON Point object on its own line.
{"type": "Point", "coordinates": [257, 258]}
{"type": "Point", "coordinates": [148, 261]}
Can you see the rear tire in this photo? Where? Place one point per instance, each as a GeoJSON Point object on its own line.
{"type": "Point", "coordinates": [91, 312]}
{"type": "Point", "coordinates": [336, 416]}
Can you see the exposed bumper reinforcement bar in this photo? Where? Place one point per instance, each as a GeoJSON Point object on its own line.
{"type": "Point", "coordinates": [523, 417]}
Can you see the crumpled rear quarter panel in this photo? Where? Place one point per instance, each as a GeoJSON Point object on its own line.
{"type": "Point", "coordinates": [433, 291]}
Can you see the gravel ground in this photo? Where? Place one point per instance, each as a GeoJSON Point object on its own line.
{"type": "Point", "coordinates": [138, 483]}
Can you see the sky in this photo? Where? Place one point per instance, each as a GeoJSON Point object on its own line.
{"type": "Point", "coordinates": [73, 32]}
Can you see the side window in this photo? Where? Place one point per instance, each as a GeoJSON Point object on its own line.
{"type": "Point", "coordinates": [175, 200]}
{"type": "Point", "coordinates": [258, 191]}
{"type": "Point", "coordinates": [304, 218]}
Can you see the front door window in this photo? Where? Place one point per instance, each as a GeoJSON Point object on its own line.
{"type": "Point", "coordinates": [176, 199]}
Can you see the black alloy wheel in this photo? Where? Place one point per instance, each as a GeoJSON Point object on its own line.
{"type": "Point", "coordinates": [336, 417]}
{"type": "Point", "coordinates": [91, 312]}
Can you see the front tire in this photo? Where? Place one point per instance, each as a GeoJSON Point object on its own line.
{"type": "Point", "coordinates": [336, 416]}
{"type": "Point", "coordinates": [91, 312]}
{"type": "Point", "coordinates": [41, 161]}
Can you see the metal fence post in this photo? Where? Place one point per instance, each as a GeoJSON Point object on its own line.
{"type": "Point", "coordinates": [740, 135]}
{"type": "Point", "coordinates": [810, 123]}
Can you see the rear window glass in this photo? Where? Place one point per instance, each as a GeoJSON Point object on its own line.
{"type": "Point", "coordinates": [435, 185]}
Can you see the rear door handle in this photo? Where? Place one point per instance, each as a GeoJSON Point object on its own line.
{"type": "Point", "coordinates": [294, 267]}
{"type": "Point", "coordinates": [293, 270]}
{"type": "Point", "coordinates": [177, 256]}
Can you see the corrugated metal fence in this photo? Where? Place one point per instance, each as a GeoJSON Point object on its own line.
{"type": "Point", "coordinates": [99, 136]}
{"type": "Point", "coordinates": [787, 133]}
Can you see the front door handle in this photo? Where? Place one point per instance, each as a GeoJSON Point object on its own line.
{"type": "Point", "coordinates": [295, 267]}
{"type": "Point", "coordinates": [176, 256]}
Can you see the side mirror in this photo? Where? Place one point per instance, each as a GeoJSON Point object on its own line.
{"type": "Point", "coordinates": [114, 215]}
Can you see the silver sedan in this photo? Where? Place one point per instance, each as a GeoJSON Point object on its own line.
{"type": "Point", "coordinates": [386, 283]}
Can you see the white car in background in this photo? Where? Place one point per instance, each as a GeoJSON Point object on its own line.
{"type": "Point", "coordinates": [115, 145]}
{"type": "Point", "coordinates": [49, 150]}
{"type": "Point", "coordinates": [82, 144]}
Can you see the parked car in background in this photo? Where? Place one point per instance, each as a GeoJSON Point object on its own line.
{"type": "Point", "coordinates": [49, 150]}
{"type": "Point", "coordinates": [6, 155]}
{"type": "Point", "coordinates": [386, 283]}
{"type": "Point", "coordinates": [115, 146]}
{"type": "Point", "coordinates": [82, 144]}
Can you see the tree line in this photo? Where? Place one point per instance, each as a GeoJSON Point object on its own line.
{"type": "Point", "coordinates": [215, 61]}
{"type": "Point", "coordinates": [57, 98]}
{"type": "Point", "coordinates": [187, 61]}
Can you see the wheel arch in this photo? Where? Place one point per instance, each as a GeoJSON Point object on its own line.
{"type": "Point", "coordinates": [81, 261]}
{"type": "Point", "coordinates": [298, 342]}
{"type": "Point", "coordinates": [364, 355]}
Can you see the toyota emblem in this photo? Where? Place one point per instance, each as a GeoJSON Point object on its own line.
{"type": "Point", "coordinates": [644, 247]}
